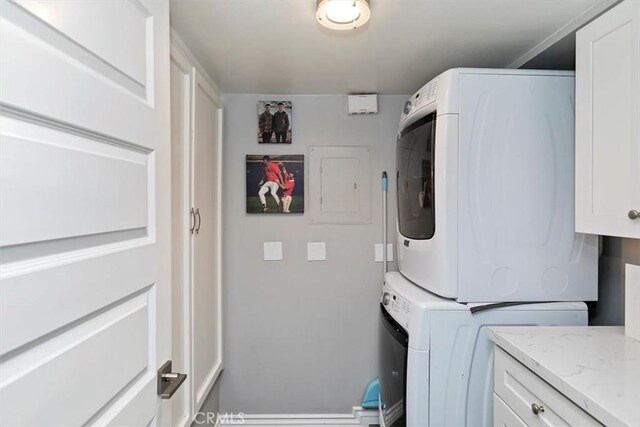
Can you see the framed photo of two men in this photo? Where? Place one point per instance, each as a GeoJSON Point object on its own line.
{"type": "Point", "coordinates": [274, 122]}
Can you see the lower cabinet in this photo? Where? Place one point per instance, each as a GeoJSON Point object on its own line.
{"type": "Point", "coordinates": [521, 398]}
{"type": "Point", "coordinates": [504, 416]}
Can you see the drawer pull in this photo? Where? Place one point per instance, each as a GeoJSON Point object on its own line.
{"type": "Point", "coordinates": [537, 409]}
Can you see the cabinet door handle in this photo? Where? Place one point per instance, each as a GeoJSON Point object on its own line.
{"type": "Point", "coordinates": [199, 221]}
{"type": "Point", "coordinates": [192, 221]}
{"type": "Point", "coordinates": [537, 409]}
{"type": "Point", "coordinates": [634, 214]}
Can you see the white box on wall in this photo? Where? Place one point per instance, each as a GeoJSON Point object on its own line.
{"type": "Point", "coordinates": [632, 301]}
{"type": "Point", "coordinates": [272, 251]}
{"type": "Point", "coordinates": [316, 251]}
{"type": "Point", "coordinates": [363, 104]}
{"type": "Point", "coordinates": [339, 185]}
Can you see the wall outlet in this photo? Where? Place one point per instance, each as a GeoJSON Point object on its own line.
{"type": "Point", "coordinates": [316, 251]}
{"type": "Point", "coordinates": [378, 252]}
{"type": "Point", "coordinates": [272, 251]}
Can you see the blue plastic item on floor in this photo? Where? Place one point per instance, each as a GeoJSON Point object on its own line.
{"type": "Point", "coordinates": [370, 398]}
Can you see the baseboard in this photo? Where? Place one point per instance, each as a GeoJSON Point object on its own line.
{"type": "Point", "coordinates": [358, 417]}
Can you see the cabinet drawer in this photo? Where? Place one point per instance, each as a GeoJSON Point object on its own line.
{"type": "Point", "coordinates": [520, 389]}
{"type": "Point", "coordinates": [503, 416]}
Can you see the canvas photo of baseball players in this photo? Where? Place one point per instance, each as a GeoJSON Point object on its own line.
{"type": "Point", "coordinates": [274, 122]}
{"type": "Point", "coordinates": [275, 183]}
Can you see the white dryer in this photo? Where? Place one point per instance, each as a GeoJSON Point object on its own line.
{"type": "Point", "coordinates": [436, 362]}
{"type": "Point", "coordinates": [485, 176]}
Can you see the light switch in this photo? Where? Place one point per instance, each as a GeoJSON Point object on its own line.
{"type": "Point", "coordinates": [316, 251]}
{"type": "Point", "coordinates": [272, 251]}
{"type": "Point", "coordinates": [378, 252]}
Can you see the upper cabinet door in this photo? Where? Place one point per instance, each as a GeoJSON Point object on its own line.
{"type": "Point", "coordinates": [608, 123]}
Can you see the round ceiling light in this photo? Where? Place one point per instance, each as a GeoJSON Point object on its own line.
{"type": "Point", "coordinates": [343, 14]}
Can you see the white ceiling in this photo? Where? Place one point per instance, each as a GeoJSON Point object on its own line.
{"type": "Point", "coordinates": [276, 46]}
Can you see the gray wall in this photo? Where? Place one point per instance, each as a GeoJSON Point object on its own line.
{"type": "Point", "coordinates": [301, 337]}
{"type": "Point", "coordinates": [616, 252]}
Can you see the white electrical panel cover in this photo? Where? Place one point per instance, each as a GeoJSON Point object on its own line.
{"type": "Point", "coordinates": [339, 185]}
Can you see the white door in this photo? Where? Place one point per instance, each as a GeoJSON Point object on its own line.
{"type": "Point", "coordinates": [196, 193]}
{"type": "Point", "coordinates": [608, 123]}
{"type": "Point", "coordinates": [206, 313]}
{"type": "Point", "coordinates": [182, 223]}
{"type": "Point", "coordinates": [84, 211]}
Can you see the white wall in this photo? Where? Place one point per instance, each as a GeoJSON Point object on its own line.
{"type": "Point", "coordinates": [301, 337]}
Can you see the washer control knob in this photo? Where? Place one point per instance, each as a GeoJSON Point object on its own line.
{"type": "Point", "coordinates": [385, 298]}
{"type": "Point", "coordinates": [407, 107]}
{"type": "Point", "coordinates": [633, 214]}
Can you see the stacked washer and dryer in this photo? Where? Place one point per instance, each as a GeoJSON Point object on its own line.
{"type": "Point", "coordinates": [486, 236]}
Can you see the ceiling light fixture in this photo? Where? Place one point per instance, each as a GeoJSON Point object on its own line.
{"type": "Point", "coordinates": [342, 14]}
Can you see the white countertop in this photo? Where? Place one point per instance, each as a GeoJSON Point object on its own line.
{"type": "Point", "coordinates": [598, 368]}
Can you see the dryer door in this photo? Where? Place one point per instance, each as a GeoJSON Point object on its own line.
{"type": "Point", "coordinates": [415, 158]}
{"type": "Point", "coordinates": [394, 341]}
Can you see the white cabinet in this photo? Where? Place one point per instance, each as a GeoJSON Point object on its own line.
{"type": "Point", "coordinates": [521, 398]}
{"type": "Point", "coordinates": [503, 416]}
{"type": "Point", "coordinates": [196, 123]}
{"type": "Point", "coordinates": [608, 123]}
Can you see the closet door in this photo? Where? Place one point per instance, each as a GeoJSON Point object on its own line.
{"type": "Point", "coordinates": [206, 316]}
{"type": "Point", "coordinates": [182, 224]}
{"type": "Point", "coordinates": [608, 123]}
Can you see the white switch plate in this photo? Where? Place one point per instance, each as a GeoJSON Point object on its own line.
{"type": "Point", "coordinates": [316, 251]}
{"type": "Point", "coordinates": [632, 301]}
{"type": "Point", "coordinates": [378, 250]}
{"type": "Point", "coordinates": [272, 251]}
